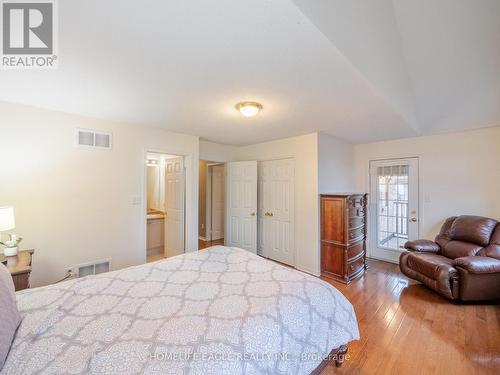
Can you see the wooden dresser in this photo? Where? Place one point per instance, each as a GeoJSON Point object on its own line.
{"type": "Point", "coordinates": [343, 236]}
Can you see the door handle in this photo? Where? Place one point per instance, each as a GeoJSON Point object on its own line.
{"type": "Point", "coordinates": [413, 219]}
{"type": "Point", "coordinates": [252, 214]}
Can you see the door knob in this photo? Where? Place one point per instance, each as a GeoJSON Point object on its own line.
{"type": "Point", "coordinates": [413, 219]}
{"type": "Point", "coordinates": [252, 214]}
{"type": "Point", "coordinates": [271, 214]}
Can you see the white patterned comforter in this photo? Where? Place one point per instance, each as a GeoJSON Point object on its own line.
{"type": "Point", "coordinates": [218, 311]}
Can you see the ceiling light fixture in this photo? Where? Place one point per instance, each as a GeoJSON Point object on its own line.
{"type": "Point", "coordinates": [249, 109]}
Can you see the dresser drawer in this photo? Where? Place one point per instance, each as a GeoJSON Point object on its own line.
{"type": "Point", "coordinates": [355, 266]}
{"type": "Point", "coordinates": [356, 234]}
{"type": "Point", "coordinates": [357, 212]}
{"type": "Point", "coordinates": [355, 222]}
{"type": "Point", "coordinates": [355, 201]}
{"type": "Point", "coordinates": [355, 251]}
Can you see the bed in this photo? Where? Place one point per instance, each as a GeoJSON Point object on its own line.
{"type": "Point", "coordinates": [217, 311]}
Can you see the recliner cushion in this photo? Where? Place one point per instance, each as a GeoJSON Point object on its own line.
{"type": "Point", "coordinates": [433, 270]}
{"type": "Point", "coordinates": [429, 264]}
{"type": "Point", "coordinates": [493, 249]}
{"type": "Point", "coordinates": [460, 249]}
{"type": "Point", "coordinates": [473, 229]}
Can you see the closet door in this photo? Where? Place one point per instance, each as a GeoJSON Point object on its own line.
{"type": "Point", "coordinates": [276, 210]}
{"type": "Point", "coordinates": [242, 205]}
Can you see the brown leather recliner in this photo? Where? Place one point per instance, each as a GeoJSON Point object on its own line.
{"type": "Point", "coordinates": [464, 261]}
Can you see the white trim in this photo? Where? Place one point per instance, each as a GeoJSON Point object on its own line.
{"type": "Point", "coordinates": [208, 202]}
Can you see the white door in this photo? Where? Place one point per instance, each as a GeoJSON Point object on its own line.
{"type": "Point", "coordinates": [241, 223]}
{"type": "Point", "coordinates": [174, 206]}
{"type": "Point", "coordinates": [276, 210]}
{"type": "Point", "coordinates": [217, 202]}
{"type": "Point", "coordinates": [394, 206]}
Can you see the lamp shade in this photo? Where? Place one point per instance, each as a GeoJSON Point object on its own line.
{"type": "Point", "coordinates": [7, 221]}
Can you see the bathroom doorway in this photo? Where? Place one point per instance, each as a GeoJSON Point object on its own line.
{"type": "Point", "coordinates": [166, 205]}
{"type": "Point", "coordinates": [211, 204]}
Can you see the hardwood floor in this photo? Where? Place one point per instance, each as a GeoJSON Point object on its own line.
{"type": "Point", "coordinates": [201, 245]}
{"type": "Point", "coordinates": [154, 258]}
{"type": "Point", "coordinates": [408, 329]}
{"type": "Point", "coordinates": [204, 244]}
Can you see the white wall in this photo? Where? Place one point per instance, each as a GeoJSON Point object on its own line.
{"type": "Point", "coordinates": [367, 34]}
{"type": "Point", "coordinates": [459, 173]}
{"type": "Point", "coordinates": [74, 204]}
{"type": "Point", "coordinates": [305, 151]}
{"type": "Point", "coordinates": [336, 170]}
{"type": "Point", "coordinates": [212, 151]}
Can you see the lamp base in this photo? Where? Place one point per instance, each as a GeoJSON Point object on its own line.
{"type": "Point", "coordinates": [10, 251]}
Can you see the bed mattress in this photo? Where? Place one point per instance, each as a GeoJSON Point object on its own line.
{"type": "Point", "coordinates": [217, 311]}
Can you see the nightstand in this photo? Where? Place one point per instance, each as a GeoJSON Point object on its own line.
{"type": "Point", "coordinates": [20, 268]}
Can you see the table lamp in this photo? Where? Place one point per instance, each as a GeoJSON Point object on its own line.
{"type": "Point", "coordinates": [7, 222]}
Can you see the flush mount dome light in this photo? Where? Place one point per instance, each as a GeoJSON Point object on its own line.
{"type": "Point", "coordinates": [249, 109]}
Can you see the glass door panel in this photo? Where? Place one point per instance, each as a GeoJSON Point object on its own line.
{"type": "Point", "coordinates": [394, 206]}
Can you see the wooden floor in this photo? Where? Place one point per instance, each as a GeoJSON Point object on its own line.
{"type": "Point", "coordinates": [201, 245]}
{"type": "Point", "coordinates": [204, 244]}
{"type": "Point", "coordinates": [408, 329]}
{"type": "Point", "coordinates": [154, 258]}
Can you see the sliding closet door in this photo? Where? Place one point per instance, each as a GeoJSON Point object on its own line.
{"type": "Point", "coordinates": [276, 210]}
{"type": "Point", "coordinates": [242, 205]}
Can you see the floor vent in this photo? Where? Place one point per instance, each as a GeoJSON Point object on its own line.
{"type": "Point", "coordinates": [93, 138]}
{"type": "Point", "coordinates": [91, 268]}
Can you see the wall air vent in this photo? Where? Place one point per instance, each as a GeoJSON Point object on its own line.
{"type": "Point", "coordinates": [93, 138]}
{"type": "Point", "coordinates": [91, 268]}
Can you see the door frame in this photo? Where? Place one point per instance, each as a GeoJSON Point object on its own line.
{"type": "Point", "coordinates": [188, 185]}
{"type": "Point", "coordinates": [208, 200]}
{"type": "Point", "coordinates": [371, 225]}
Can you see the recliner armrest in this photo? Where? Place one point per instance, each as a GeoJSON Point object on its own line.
{"type": "Point", "coordinates": [476, 264]}
{"type": "Point", "coordinates": [423, 246]}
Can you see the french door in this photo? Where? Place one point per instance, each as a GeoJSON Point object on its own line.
{"type": "Point", "coordinates": [394, 206]}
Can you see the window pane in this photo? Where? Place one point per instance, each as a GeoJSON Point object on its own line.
{"type": "Point", "coordinates": [392, 206]}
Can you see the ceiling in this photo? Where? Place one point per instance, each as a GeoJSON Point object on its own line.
{"type": "Point", "coordinates": [362, 71]}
